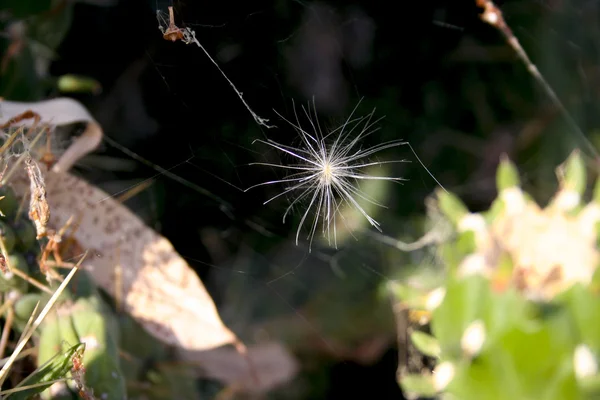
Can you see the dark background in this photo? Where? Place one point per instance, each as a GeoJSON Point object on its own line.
{"type": "Point", "coordinates": [445, 82]}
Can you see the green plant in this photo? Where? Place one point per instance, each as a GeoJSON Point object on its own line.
{"type": "Point", "coordinates": [515, 314]}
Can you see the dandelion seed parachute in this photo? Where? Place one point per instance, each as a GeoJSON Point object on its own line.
{"type": "Point", "coordinates": [327, 171]}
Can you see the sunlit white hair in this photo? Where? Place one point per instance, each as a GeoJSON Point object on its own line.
{"type": "Point", "coordinates": [328, 169]}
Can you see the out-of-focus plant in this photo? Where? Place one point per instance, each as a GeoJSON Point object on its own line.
{"type": "Point", "coordinates": [515, 315]}
{"type": "Point", "coordinates": [75, 340]}
{"type": "Point", "coordinates": [30, 33]}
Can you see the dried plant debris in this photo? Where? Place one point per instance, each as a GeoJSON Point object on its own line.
{"type": "Point", "coordinates": [138, 267]}
{"type": "Point", "coordinates": [39, 212]}
{"type": "Point", "coordinates": [155, 284]}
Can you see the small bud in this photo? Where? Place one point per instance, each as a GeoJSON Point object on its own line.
{"type": "Point", "coordinates": [13, 295]}
{"type": "Point", "coordinates": [566, 200]}
{"type": "Point", "coordinates": [507, 176]}
{"type": "Point", "coordinates": [435, 298]}
{"type": "Point", "coordinates": [473, 264]}
{"type": "Point", "coordinates": [472, 222]}
{"type": "Point", "coordinates": [91, 342]}
{"type": "Point", "coordinates": [584, 362]}
{"type": "Point", "coordinates": [451, 206]}
{"type": "Point", "coordinates": [572, 173]}
{"type": "Point", "coordinates": [588, 220]}
{"type": "Point", "coordinates": [513, 199]}
{"type": "Point", "coordinates": [443, 375]}
{"type": "Point", "coordinates": [475, 223]}
{"type": "Point", "coordinates": [78, 84]}
{"type": "Point", "coordinates": [473, 338]}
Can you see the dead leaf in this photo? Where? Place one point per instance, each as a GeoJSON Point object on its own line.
{"type": "Point", "coordinates": [158, 288]}
{"type": "Point", "coordinates": [273, 365]}
{"type": "Point", "coordinates": [140, 268]}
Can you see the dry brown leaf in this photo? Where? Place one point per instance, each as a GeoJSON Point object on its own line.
{"type": "Point", "coordinates": [141, 269]}
{"type": "Point", "coordinates": [273, 365]}
{"type": "Point", "coordinates": [158, 287]}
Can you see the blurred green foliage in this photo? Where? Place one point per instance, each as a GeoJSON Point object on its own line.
{"type": "Point", "coordinates": [492, 335]}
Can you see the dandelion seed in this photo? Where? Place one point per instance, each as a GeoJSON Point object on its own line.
{"type": "Point", "coordinates": [328, 170]}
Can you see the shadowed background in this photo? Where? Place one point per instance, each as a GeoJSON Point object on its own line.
{"type": "Point", "coordinates": [445, 82]}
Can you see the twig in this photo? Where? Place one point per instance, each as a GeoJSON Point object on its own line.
{"type": "Point", "coordinates": [8, 323]}
{"type": "Point", "coordinates": [31, 280]}
{"type": "Point", "coordinates": [493, 16]}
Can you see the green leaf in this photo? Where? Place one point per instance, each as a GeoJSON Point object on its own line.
{"type": "Point", "coordinates": [505, 311]}
{"type": "Point", "coordinates": [25, 305]}
{"type": "Point", "coordinates": [573, 173]}
{"type": "Point", "coordinates": [26, 235]}
{"type": "Point", "coordinates": [451, 256]}
{"type": "Point", "coordinates": [418, 384]}
{"type": "Point", "coordinates": [16, 262]}
{"type": "Point", "coordinates": [70, 83]}
{"type": "Point", "coordinates": [57, 367]}
{"type": "Point", "coordinates": [584, 307]}
{"type": "Point", "coordinates": [426, 344]}
{"type": "Point", "coordinates": [451, 206]}
{"type": "Point", "coordinates": [87, 323]}
{"type": "Point", "coordinates": [466, 242]}
{"type": "Point", "coordinates": [495, 210]}
{"type": "Point", "coordinates": [52, 334]}
{"type": "Point", "coordinates": [7, 235]}
{"type": "Point", "coordinates": [542, 360]}
{"type": "Point", "coordinates": [479, 380]}
{"type": "Point", "coordinates": [410, 296]}
{"type": "Point", "coordinates": [101, 358]}
{"type": "Point", "coordinates": [595, 283]}
{"type": "Point", "coordinates": [9, 204]}
{"type": "Point", "coordinates": [596, 197]}
{"type": "Point", "coordinates": [591, 386]}
{"type": "Point", "coordinates": [524, 363]}
{"type": "Point", "coordinates": [507, 175]}
{"type": "Point", "coordinates": [463, 303]}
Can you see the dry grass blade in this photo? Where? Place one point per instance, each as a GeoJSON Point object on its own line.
{"type": "Point", "coordinates": [133, 263]}
{"type": "Point", "coordinates": [30, 351]}
{"type": "Point", "coordinates": [158, 288]}
{"type": "Point", "coordinates": [493, 16]}
{"type": "Point", "coordinates": [31, 280]}
{"type": "Point", "coordinates": [28, 332]}
{"type": "Point", "coordinates": [8, 324]}
{"type": "Point", "coordinates": [22, 388]}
